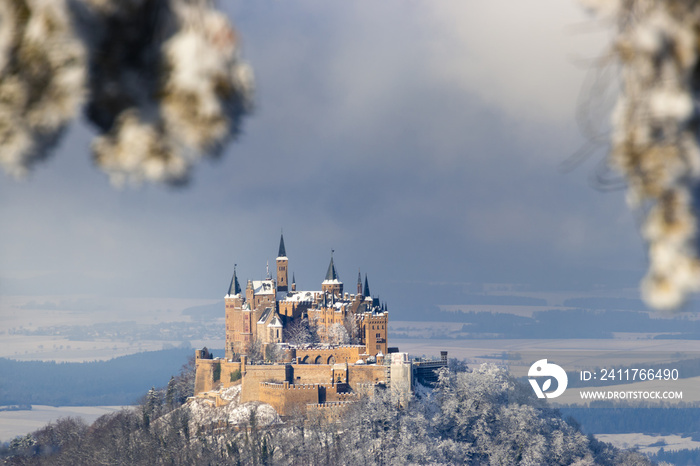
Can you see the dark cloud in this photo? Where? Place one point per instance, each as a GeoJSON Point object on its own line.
{"type": "Point", "coordinates": [370, 136]}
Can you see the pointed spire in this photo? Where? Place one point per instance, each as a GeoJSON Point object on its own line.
{"type": "Point", "coordinates": [331, 274]}
{"type": "Point", "coordinates": [294, 280]}
{"type": "Point", "coordinates": [282, 251]}
{"type": "Point", "coordinates": [267, 267]}
{"type": "Point", "coordinates": [359, 282]}
{"type": "Point", "coordinates": [234, 287]}
{"type": "Point", "coordinates": [366, 292]}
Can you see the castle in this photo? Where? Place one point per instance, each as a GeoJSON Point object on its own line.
{"type": "Point", "coordinates": [334, 344]}
{"type": "Point", "coordinates": [271, 312]}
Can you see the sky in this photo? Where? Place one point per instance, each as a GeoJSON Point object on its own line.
{"type": "Point", "coordinates": [422, 141]}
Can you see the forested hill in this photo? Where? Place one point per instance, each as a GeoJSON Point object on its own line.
{"type": "Point", "coordinates": [119, 381]}
{"type": "Point", "coordinates": [478, 418]}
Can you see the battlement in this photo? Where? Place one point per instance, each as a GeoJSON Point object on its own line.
{"type": "Point", "coordinates": [288, 386]}
{"type": "Point", "coordinates": [329, 404]}
{"type": "Point", "coordinates": [325, 346]}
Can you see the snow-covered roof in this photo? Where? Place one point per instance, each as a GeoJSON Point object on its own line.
{"type": "Point", "coordinates": [299, 296]}
{"type": "Point", "coordinates": [265, 315]}
{"type": "Point", "coordinates": [276, 322]}
{"type": "Point", "coordinates": [335, 281]}
{"type": "Point", "coordinates": [263, 286]}
{"type": "Point", "coordinates": [282, 258]}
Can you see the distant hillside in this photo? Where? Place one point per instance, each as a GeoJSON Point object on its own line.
{"type": "Point", "coordinates": [119, 381]}
{"type": "Point", "coordinates": [555, 323]}
{"type": "Point", "coordinates": [621, 304]}
{"type": "Point", "coordinates": [206, 311]}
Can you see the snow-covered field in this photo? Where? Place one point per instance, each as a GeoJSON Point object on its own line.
{"type": "Point", "coordinates": [14, 423]}
{"type": "Point", "coordinates": [644, 442]}
{"type": "Point", "coordinates": [31, 312]}
{"type": "Point", "coordinates": [476, 349]}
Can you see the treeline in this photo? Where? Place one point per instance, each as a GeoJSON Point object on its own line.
{"type": "Point", "coordinates": [129, 331]}
{"type": "Point", "coordinates": [482, 417]}
{"type": "Point", "coordinates": [679, 457]}
{"type": "Point", "coordinates": [119, 381]}
{"type": "Point", "coordinates": [556, 323]}
{"type": "Point", "coordinates": [644, 420]}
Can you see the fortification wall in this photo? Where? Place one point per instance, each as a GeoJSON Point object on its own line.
{"type": "Point", "coordinates": [288, 399]}
{"type": "Point", "coordinates": [204, 375]}
{"type": "Point", "coordinates": [311, 373]}
{"type": "Point", "coordinates": [292, 399]}
{"type": "Point", "coordinates": [206, 370]}
{"type": "Point", "coordinates": [253, 375]}
{"type": "Point", "coordinates": [349, 354]}
{"type": "Point", "coordinates": [227, 369]}
{"type": "Point", "coordinates": [332, 411]}
{"type": "Point", "coordinates": [339, 393]}
{"type": "Point", "coordinates": [362, 375]}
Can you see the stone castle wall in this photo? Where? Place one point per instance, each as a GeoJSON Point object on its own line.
{"type": "Point", "coordinates": [288, 399]}
{"type": "Point", "coordinates": [366, 375]}
{"type": "Point", "coordinates": [204, 377]}
{"type": "Point", "coordinates": [289, 388]}
{"type": "Point", "coordinates": [254, 375]}
{"type": "Point", "coordinates": [349, 354]}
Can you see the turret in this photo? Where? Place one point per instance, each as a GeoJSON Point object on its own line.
{"type": "Point", "coordinates": [332, 283]}
{"type": "Point", "coordinates": [234, 288]}
{"type": "Point", "coordinates": [233, 301]}
{"type": "Point", "coordinates": [282, 262]}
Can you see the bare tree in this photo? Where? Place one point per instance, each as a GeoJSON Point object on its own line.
{"type": "Point", "coordinates": [338, 335]}
{"type": "Point", "coordinates": [298, 332]}
{"type": "Point", "coordinates": [255, 351]}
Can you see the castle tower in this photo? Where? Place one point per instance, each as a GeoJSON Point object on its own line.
{"type": "Point", "coordinates": [282, 267]}
{"type": "Point", "coordinates": [332, 283]}
{"type": "Point", "coordinates": [359, 283]}
{"type": "Point", "coordinates": [234, 303]}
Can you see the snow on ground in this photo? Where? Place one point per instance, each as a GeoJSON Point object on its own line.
{"type": "Point", "coordinates": [14, 423]}
{"type": "Point", "coordinates": [232, 394]}
{"type": "Point", "coordinates": [203, 412]}
{"type": "Point", "coordinates": [644, 442]}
